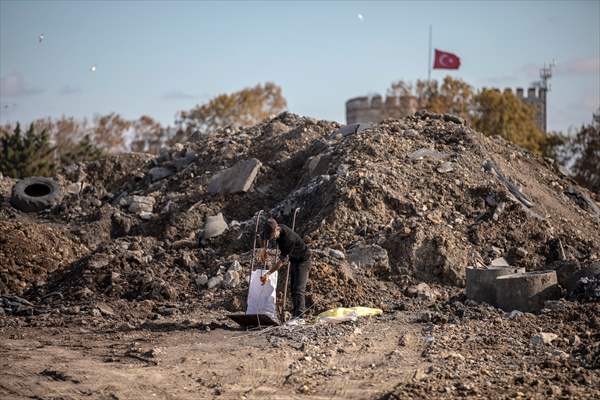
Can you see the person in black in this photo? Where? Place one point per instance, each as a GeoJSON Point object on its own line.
{"type": "Point", "coordinates": [292, 248]}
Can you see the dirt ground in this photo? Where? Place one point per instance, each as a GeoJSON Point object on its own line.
{"type": "Point", "coordinates": [402, 355]}
{"type": "Point", "coordinates": [187, 361]}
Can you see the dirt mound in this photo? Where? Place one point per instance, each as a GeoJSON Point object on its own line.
{"type": "Point", "coordinates": [30, 252]}
{"type": "Point", "coordinates": [417, 199]}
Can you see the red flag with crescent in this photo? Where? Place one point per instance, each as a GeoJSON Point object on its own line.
{"type": "Point", "coordinates": [444, 60]}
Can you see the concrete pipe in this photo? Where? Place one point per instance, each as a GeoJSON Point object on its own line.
{"type": "Point", "coordinates": [526, 292]}
{"type": "Point", "coordinates": [481, 283]}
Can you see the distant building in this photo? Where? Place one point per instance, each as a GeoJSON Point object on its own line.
{"type": "Point", "coordinates": [374, 109]}
{"type": "Point", "coordinates": [536, 97]}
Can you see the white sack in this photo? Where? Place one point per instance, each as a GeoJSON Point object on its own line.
{"type": "Point", "coordinates": [261, 298]}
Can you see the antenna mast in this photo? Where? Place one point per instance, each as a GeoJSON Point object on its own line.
{"type": "Point", "coordinates": [545, 75]}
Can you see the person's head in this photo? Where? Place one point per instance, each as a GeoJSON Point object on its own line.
{"type": "Point", "coordinates": [271, 229]}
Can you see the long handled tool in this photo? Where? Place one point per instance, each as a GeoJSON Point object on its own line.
{"type": "Point", "coordinates": [287, 273]}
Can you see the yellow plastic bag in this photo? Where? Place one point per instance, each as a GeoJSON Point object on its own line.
{"type": "Point", "coordinates": [342, 314]}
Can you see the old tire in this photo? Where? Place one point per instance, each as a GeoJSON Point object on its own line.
{"type": "Point", "coordinates": [526, 292]}
{"type": "Point", "coordinates": [35, 193]}
{"type": "Point", "coordinates": [481, 283]}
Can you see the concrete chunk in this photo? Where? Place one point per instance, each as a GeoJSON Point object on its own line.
{"type": "Point", "coordinates": [526, 292]}
{"type": "Point", "coordinates": [481, 283]}
{"type": "Point", "coordinates": [369, 256]}
{"type": "Point", "coordinates": [214, 226]}
{"type": "Point", "coordinates": [158, 173]}
{"type": "Point", "coordinates": [236, 179]}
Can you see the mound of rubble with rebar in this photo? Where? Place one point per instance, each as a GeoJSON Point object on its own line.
{"type": "Point", "coordinates": [384, 207]}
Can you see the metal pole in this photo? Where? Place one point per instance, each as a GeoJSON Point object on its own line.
{"type": "Point", "coordinates": [255, 236]}
{"type": "Point", "coordinates": [429, 66]}
{"type": "Point", "coordinates": [287, 272]}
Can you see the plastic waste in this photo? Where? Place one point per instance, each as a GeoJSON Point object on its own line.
{"type": "Point", "coordinates": [342, 314]}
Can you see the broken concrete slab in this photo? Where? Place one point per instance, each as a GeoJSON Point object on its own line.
{"type": "Point", "coordinates": [351, 129]}
{"type": "Point", "coordinates": [369, 256]}
{"type": "Point", "coordinates": [481, 283]}
{"type": "Point", "coordinates": [319, 164]}
{"type": "Point", "coordinates": [236, 179]}
{"type": "Point", "coordinates": [141, 204]}
{"type": "Point", "coordinates": [491, 167]}
{"type": "Point", "coordinates": [583, 201]}
{"type": "Point", "coordinates": [214, 226]}
{"type": "Point", "coordinates": [158, 173]}
{"type": "Point", "coordinates": [526, 291]}
{"type": "Point", "coordinates": [500, 262]}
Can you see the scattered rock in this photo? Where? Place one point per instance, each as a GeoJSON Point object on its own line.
{"type": "Point", "coordinates": [202, 280]}
{"type": "Point", "coordinates": [422, 291]}
{"type": "Point", "coordinates": [446, 167]}
{"type": "Point", "coordinates": [214, 282]}
{"type": "Point", "coordinates": [337, 254]}
{"type": "Point", "coordinates": [158, 173]}
{"type": "Point", "coordinates": [543, 338]}
{"type": "Point", "coordinates": [141, 204]}
{"type": "Point", "coordinates": [371, 256]}
{"type": "Point", "coordinates": [231, 279]}
{"type": "Point", "coordinates": [214, 226]}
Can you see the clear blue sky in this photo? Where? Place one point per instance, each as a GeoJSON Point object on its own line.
{"type": "Point", "coordinates": [157, 58]}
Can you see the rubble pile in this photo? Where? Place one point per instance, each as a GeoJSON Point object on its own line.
{"type": "Point", "coordinates": [475, 351]}
{"type": "Point", "coordinates": [406, 201]}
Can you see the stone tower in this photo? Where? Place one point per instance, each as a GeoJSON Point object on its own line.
{"type": "Point", "coordinates": [536, 97]}
{"type": "Point", "coordinates": [374, 109]}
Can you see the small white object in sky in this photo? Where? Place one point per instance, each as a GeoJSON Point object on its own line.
{"type": "Point", "coordinates": [40, 38]}
{"type": "Point", "coordinates": [361, 17]}
{"type": "Point", "coordinates": [93, 68]}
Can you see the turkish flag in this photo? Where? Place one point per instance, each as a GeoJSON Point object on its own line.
{"type": "Point", "coordinates": [444, 60]}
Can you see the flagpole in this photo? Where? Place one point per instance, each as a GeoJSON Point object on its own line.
{"type": "Point", "coordinates": [429, 66]}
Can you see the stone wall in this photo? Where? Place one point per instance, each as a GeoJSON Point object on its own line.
{"type": "Point", "coordinates": [373, 109]}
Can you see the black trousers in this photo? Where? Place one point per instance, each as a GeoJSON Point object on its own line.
{"type": "Point", "coordinates": [299, 277]}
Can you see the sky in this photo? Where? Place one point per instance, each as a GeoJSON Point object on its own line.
{"type": "Point", "coordinates": [157, 58]}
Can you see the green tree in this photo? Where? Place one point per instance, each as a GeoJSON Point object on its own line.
{"type": "Point", "coordinates": [244, 108]}
{"type": "Point", "coordinates": [585, 151]}
{"type": "Point", "coordinates": [83, 150]}
{"type": "Point", "coordinates": [26, 155]}
{"type": "Point", "coordinates": [504, 114]}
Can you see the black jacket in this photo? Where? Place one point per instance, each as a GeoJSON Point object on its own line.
{"type": "Point", "coordinates": [291, 245]}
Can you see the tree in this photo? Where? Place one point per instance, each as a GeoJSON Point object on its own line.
{"type": "Point", "coordinates": [585, 151]}
{"type": "Point", "coordinates": [453, 96]}
{"type": "Point", "coordinates": [26, 155]}
{"type": "Point", "coordinates": [83, 150]}
{"type": "Point", "coordinates": [244, 108]}
{"type": "Point", "coordinates": [504, 114]}
{"type": "Point", "coordinates": [109, 131]}
{"type": "Point", "coordinates": [148, 135]}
